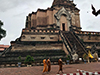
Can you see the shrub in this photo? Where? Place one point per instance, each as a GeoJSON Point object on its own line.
{"type": "Point", "coordinates": [68, 57]}
{"type": "Point", "coordinates": [85, 56]}
{"type": "Point", "coordinates": [29, 59]}
{"type": "Point", "coordinates": [19, 58]}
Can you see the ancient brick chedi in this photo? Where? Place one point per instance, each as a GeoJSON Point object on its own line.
{"type": "Point", "coordinates": [61, 15]}
{"type": "Point", "coordinates": [61, 12]}
{"type": "Point", "coordinates": [47, 29]}
{"type": "Point", "coordinates": [55, 29]}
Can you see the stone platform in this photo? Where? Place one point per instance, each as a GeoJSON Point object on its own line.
{"type": "Point", "coordinates": [37, 70]}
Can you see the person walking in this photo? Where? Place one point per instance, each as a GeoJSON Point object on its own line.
{"type": "Point", "coordinates": [45, 66]}
{"type": "Point", "coordinates": [60, 65]}
{"type": "Point", "coordinates": [49, 64]}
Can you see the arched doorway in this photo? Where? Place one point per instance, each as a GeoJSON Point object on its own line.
{"type": "Point", "coordinates": [63, 26]}
{"type": "Point", "coordinates": [63, 19]}
{"type": "Point", "coordinates": [63, 23]}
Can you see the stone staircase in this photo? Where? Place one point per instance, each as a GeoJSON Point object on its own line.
{"type": "Point", "coordinates": [72, 43]}
{"type": "Point", "coordinates": [38, 55]}
{"type": "Point", "coordinates": [98, 50]}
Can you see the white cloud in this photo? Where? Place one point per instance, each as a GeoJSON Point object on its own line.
{"type": "Point", "coordinates": [13, 13]}
{"type": "Point", "coordinates": [88, 21]}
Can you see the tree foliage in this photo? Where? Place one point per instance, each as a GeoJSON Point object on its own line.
{"type": "Point", "coordinates": [19, 58]}
{"type": "Point", "coordinates": [68, 57]}
{"type": "Point", "coordinates": [85, 56]}
{"type": "Point", "coordinates": [2, 31]}
{"type": "Point", "coordinates": [29, 59]}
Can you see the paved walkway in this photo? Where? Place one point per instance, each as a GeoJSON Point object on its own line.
{"type": "Point", "coordinates": [37, 70]}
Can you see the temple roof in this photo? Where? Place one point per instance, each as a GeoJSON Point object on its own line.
{"type": "Point", "coordinates": [63, 3]}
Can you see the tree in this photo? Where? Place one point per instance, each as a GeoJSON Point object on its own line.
{"type": "Point", "coordinates": [29, 59]}
{"type": "Point", "coordinates": [19, 58]}
{"type": "Point", "coordinates": [85, 56]}
{"type": "Point", "coordinates": [68, 57]}
{"type": "Point", "coordinates": [2, 32]}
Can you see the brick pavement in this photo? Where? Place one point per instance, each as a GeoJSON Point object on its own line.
{"type": "Point", "coordinates": [37, 70]}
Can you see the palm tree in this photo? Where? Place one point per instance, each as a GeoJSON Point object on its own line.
{"type": "Point", "coordinates": [2, 31]}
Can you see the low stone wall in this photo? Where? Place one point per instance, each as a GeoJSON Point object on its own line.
{"type": "Point", "coordinates": [4, 65]}
{"type": "Point", "coordinates": [39, 35]}
{"type": "Point", "coordinates": [88, 36]}
{"type": "Point", "coordinates": [38, 47]}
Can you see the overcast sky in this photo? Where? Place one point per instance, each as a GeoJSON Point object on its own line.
{"type": "Point", "coordinates": [13, 14]}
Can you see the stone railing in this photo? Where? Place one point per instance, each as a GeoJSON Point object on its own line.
{"type": "Point", "coordinates": [5, 65]}
{"type": "Point", "coordinates": [40, 31]}
{"type": "Point", "coordinates": [87, 32]}
{"type": "Point", "coordinates": [77, 30]}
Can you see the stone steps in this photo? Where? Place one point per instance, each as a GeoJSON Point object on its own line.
{"type": "Point", "coordinates": [38, 55]}
{"type": "Point", "coordinates": [74, 42]}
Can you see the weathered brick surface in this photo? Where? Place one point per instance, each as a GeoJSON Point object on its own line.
{"type": "Point", "coordinates": [37, 70]}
